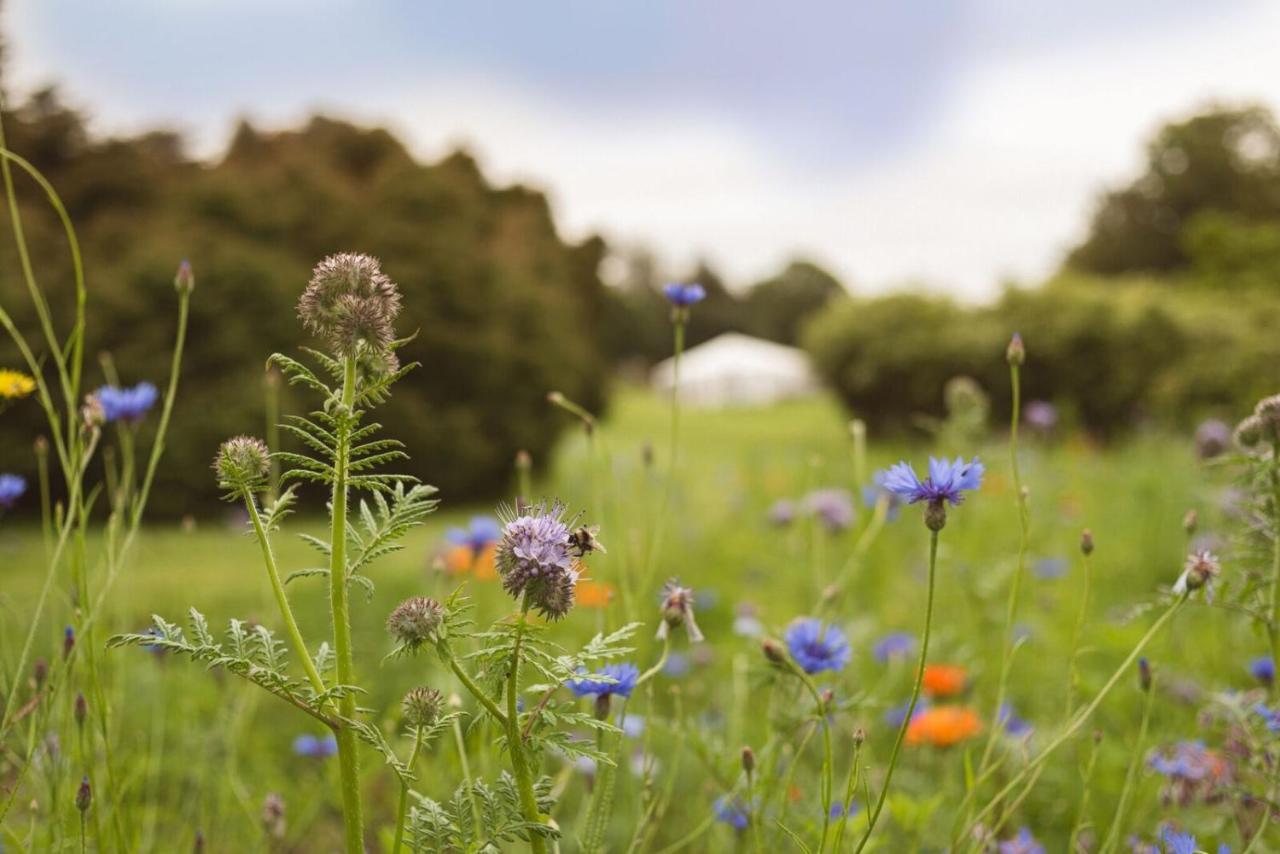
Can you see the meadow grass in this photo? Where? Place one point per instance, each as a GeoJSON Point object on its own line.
{"type": "Point", "coordinates": [201, 754]}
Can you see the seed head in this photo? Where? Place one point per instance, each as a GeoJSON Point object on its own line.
{"type": "Point", "coordinates": [242, 464]}
{"type": "Point", "coordinates": [422, 706]}
{"type": "Point", "coordinates": [416, 621]}
{"type": "Point", "coordinates": [350, 300]}
{"type": "Point", "coordinates": [677, 611]}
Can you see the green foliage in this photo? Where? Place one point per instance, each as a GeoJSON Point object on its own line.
{"type": "Point", "coordinates": [503, 308]}
{"type": "Point", "coordinates": [1110, 357]}
{"type": "Point", "coordinates": [449, 826]}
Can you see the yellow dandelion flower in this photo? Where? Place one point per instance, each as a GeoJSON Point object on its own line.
{"type": "Point", "coordinates": [15, 384]}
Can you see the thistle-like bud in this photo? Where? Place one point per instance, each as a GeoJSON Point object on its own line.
{"type": "Point", "coordinates": [350, 300]}
{"type": "Point", "coordinates": [773, 651]}
{"type": "Point", "coordinates": [81, 709]}
{"type": "Point", "coordinates": [1268, 409]}
{"type": "Point", "coordinates": [1015, 354]}
{"type": "Point", "coordinates": [184, 281]}
{"type": "Point", "coordinates": [416, 621]}
{"type": "Point", "coordinates": [1086, 542]}
{"type": "Point", "coordinates": [422, 706]}
{"type": "Point", "coordinates": [1190, 521]}
{"type": "Point", "coordinates": [40, 672]}
{"type": "Point", "coordinates": [242, 464]}
{"type": "Point", "coordinates": [677, 611]}
{"type": "Point", "coordinates": [1144, 674]}
{"type": "Point", "coordinates": [68, 642]}
{"type": "Point", "coordinates": [84, 796]}
{"type": "Point", "coordinates": [1249, 432]}
{"type": "Point", "coordinates": [748, 760]}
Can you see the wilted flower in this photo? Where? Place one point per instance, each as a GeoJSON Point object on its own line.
{"type": "Point", "coordinates": [1040, 415]}
{"type": "Point", "coordinates": [1263, 668]}
{"type": "Point", "coordinates": [12, 487]}
{"type": "Point", "coordinates": [242, 464]}
{"type": "Point", "coordinates": [943, 680]}
{"type": "Point", "coordinates": [350, 300]}
{"type": "Point", "coordinates": [618, 679]}
{"type": "Point", "coordinates": [946, 483]}
{"type": "Point", "coordinates": [1023, 843]}
{"type": "Point", "coordinates": [315, 747]}
{"type": "Point", "coordinates": [893, 645]}
{"type": "Point", "coordinates": [15, 385]}
{"type": "Point", "coordinates": [1213, 438]}
{"type": "Point", "coordinates": [684, 295]}
{"type": "Point", "coordinates": [126, 404]}
{"type": "Point", "coordinates": [1200, 569]}
{"type": "Point", "coordinates": [677, 611]}
{"type": "Point", "coordinates": [732, 811]}
{"type": "Point", "coordinates": [537, 558]}
{"type": "Point", "coordinates": [422, 706]}
{"type": "Point", "coordinates": [416, 621]}
{"type": "Point", "coordinates": [943, 726]}
{"type": "Point", "coordinates": [816, 646]}
{"type": "Point", "coordinates": [832, 507]}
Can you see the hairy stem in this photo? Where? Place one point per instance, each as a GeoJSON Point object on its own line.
{"type": "Point", "coordinates": [915, 695]}
{"type": "Point", "coordinates": [403, 807]}
{"type": "Point", "coordinates": [1273, 628]}
{"type": "Point", "coordinates": [515, 745]}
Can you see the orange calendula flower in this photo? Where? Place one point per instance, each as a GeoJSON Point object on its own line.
{"type": "Point", "coordinates": [594, 594]}
{"type": "Point", "coordinates": [15, 384]}
{"type": "Point", "coordinates": [944, 680]}
{"type": "Point", "coordinates": [943, 726]}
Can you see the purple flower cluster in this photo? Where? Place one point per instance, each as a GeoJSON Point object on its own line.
{"type": "Point", "coordinates": [126, 404]}
{"type": "Point", "coordinates": [537, 557]}
{"type": "Point", "coordinates": [1194, 773]}
{"type": "Point", "coordinates": [832, 507]}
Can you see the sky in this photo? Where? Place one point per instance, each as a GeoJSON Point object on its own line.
{"type": "Point", "coordinates": [947, 144]}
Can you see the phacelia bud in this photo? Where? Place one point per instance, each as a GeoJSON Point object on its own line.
{"type": "Point", "coordinates": [242, 464]}
{"type": "Point", "coordinates": [1249, 432]}
{"type": "Point", "coordinates": [422, 706]}
{"type": "Point", "coordinates": [1015, 354]}
{"type": "Point", "coordinates": [1086, 542]}
{"type": "Point", "coordinates": [184, 281]}
{"type": "Point", "coordinates": [350, 300]}
{"type": "Point", "coordinates": [416, 621]}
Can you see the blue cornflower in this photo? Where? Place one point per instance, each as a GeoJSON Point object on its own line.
{"type": "Point", "coordinates": [483, 532]}
{"type": "Point", "coordinates": [731, 811]}
{"type": "Point", "coordinates": [946, 480]}
{"type": "Point", "coordinates": [12, 487]}
{"type": "Point", "coordinates": [1014, 725]}
{"type": "Point", "coordinates": [1023, 843]}
{"type": "Point", "coordinates": [315, 747]}
{"type": "Point", "coordinates": [1050, 568]}
{"type": "Point", "coordinates": [623, 682]}
{"type": "Point", "coordinates": [684, 295]}
{"type": "Point", "coordinates": [1269, 715]}
{"type": "Point", "coordinates": [839, 811]}
{"type": "Point", "coordinates": [126, 404]}
{"type": "Point", "coordinates": [1263, 668]}
{"type": "Point", "coordinates": [893, 645]}
{"type": "Point", "coordinates": [1178, 843]}
{"type": "Point", "coordinates": [816, 646]}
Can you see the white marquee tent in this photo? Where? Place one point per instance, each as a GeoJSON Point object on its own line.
{"type": "Point", "coordinates": [737, 370]}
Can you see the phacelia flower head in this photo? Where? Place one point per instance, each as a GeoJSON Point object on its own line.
{"type": "Point", "coordinates": [315, 747]}
{"type": "Point", "coordinates": [349, 300]}
{"type": "Point", "coordinates": [832, 507]}
{"type": "Point", "coordinates": [684, 295]}
{"type": "Point", "coordinates": [816, 646]}
{"type": "Point", "coordinates": [677, 611]}
{"type": "Point", "coordinates": [422, 706]}
{"type": "Point", "coordinates": [482, 532]}
{"type": "Point", "coordinates": [1023, 843]}
{"type": "Point", "coordinates": [12, 487]}
{"type": "Point", "coordinates": [893, 645]}
{"type": "Point", "coordinates": [947, 482]}
{"type": "Point", "coordinates": [1201, 568]}
{"type": "Point", "coordinates": [1213, 438]}
{"type": "Point", "coordinates": [1263, 668]}
{"type": "Point", "coordinates": [15, 385]}
{"type": "Point", "coordinates": [538, 557]}
{"type": "Point", "coordinates": [732, 811]}
{"type": "Point", "coordinates": [619, 679]}
{"type": "Point", "coordinates": [128, 404]}
{"type": "Point", "coordinates": [242, 464]}
{"type": "Point", "coordinates": [416, 621]}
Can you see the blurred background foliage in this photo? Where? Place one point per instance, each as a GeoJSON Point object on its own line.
{"type": "Point", "coordinates": [1163, 313]}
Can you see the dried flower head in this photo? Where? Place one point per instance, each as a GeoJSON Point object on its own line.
{"type": "Point", "coordinates": [422, 706]}
{"type": "Point", "coordinates": [677, 611]}
{"type": "Point", "coordinates": [538, 557]}
{"type": "Point", "coordinates": [242, 464]}
{"type": "Point", "coordinates": [350, 300]}
{"type": "Point", "coordinates": [1200, 569]}
{"type": "Point", "coordinates": [416, 621]}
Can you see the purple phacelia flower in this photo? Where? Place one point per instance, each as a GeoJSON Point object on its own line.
{"type": "Point", "coordinates": [1213, 439]}
{"type": "Point", "coordinates": [816, 646]}
{"type": "Point", "coordinates": [684, 295]}
{"type": "Point", "coordinates": [126, 404]}
{"type": "Point", "coordinates": [538, 556]}
{"type": "Point", "coordinates": [619, 679]}
{"type": "Point", "coordinates": [782, 512]}
{"type": "Point", "coordinates": [893, 645]}
{"type": "Point", "coordinates": [1194, 773]}
{"type": "Point", "coordinates": [1040, 415]}
{"type": "Point", "coordinates": [12, 487]}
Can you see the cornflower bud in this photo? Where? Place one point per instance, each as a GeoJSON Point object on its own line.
{"type": "Point", "coordinates": [1015, 354]}
{"type": "Point", "coordinates": [81, 709]}
{"type": "Point", "coordinates": [84, 796]}
{"type": "Point", "coordinates": [40, 672]}
{"type": "Point", "coordinates": [184, 281]}
{"type": "Point", "coordinates": [1144, 674]}
{"type": "Point", "coordinates": [773, 651]}
{"type": "Point", "coordinates": [748, 760]}
{"type": "Point", "coordinates": [1086, 542]}
{"type": "Point", "coordinates": [68, 642]}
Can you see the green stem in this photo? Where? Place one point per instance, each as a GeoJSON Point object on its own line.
{"type": "Point", "coordinates": [515, 744]}
{"type": "Point", "coordinates": [1077, 634]}
{"type": "Point", "coordinates": [1131, 775]}
{"type": "Point", "coordinates": [915, 694]}
{"type": "Point", "coordinates": [828, 757]}
{"type": "Point", "coordinates": [277, 588]}
{"type": "Point", "coordinates": [162, 428]}
{"type": "Point", "coordinates": [850, 787]}
{"type": "Point", "coordinates": [478, 822]}
{"type": "Point", "coordinates": [659, 525]}
{"type": "Point", "coordinates": [1082, 814]}
{"type": "Point", "coordinates": [348, 760]}
{"type": "Point", "coordinates": [1083, 715]}
{"type": "Point", "coordinates": [1274, 611]}
{"type": "Point", "coordinates": [404, 792]}
{"type": "Point", "coordinates": [472, 688]}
